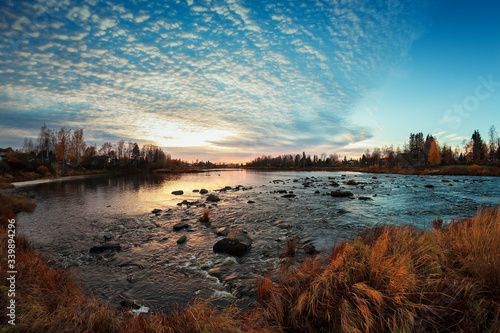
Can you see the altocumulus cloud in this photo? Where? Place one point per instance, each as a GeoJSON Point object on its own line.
{"type": "Point", "coordinates": [219, 77]}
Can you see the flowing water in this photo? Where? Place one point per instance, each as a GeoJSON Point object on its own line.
{"type": "Point", "coordinates": [152, 269]}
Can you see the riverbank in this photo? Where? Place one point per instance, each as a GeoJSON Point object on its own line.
{"type": "Point", "coordinates": [388, 279]}
{"type": "Point", "coordinates": [445, 170]}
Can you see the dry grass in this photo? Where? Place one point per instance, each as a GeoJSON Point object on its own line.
{"type": "Point", "coordinates": [395, 279]}
{"type": "Point", "coordinates": [390, 279]}
{"type": "Point", "coordinates": [205, 217]}
{"type": "Point", "coordinates": [291, 247]}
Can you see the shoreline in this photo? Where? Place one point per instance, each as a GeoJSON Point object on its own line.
{"type": "Point", "coordinates": [457, 170]}
{"type": "Point", "coordinates": [387, 267]}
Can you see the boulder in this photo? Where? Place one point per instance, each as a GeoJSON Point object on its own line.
{"type": "Point", "coordinates": [203, 191]}
{"type": "Point", "coordinates": [351, 182]}
{"type": "Point", "coordinates": [364, 198]}
{"type": "Point", "coordinates": [289, 195]}
{"type": "Point", "coordinates": [429, 186]}
{"type": "Point", "coordinates": [155, 211]}
{"type": "Point", "coordinates": [250, 201]}
{"type": "Point", "coordinates": [180, 192]}
{"type": "Point", "coordinates": [213, 198]}
{"type": "Point", "coordinates": [182, 240]}
{"type": "Point", "coordinates": [341, 194]}
{"type": "Point", "coordinates": [310, 249]}
{"type": "Point", "coordinates": [236, 243]}
{"type": "Point", "coordinates": [180, 226]}
{"type": "Point", "coordinates": [106, 247]}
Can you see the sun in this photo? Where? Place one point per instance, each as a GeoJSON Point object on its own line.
{"type": "Point", "coordinates": [177, 134]}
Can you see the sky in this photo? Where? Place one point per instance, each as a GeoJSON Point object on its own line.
{"type": "Point", "coordinates": [229, 80]}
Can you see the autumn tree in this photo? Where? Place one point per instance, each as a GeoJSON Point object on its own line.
{"type": "Point", "coordinates": [77, 146]}
{"type": "Point", "coordinates": [434, 155]}
{"type": "Point", "coordinates": [45, 142]}
{"type": "Point", "coordinates": [63, 144]}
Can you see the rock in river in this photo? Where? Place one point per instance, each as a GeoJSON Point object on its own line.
{"type": "Point", "coordinates": [341, 194]}
{"type": "Point", "coordinates": [182, 240]}
{"type": "Point", "coordinates": [429, 186]}
{"type": "Point", "coordinates": [213, 198]}
{"type": "Point", "coordinates": [105, 247]}
{"type": "Point", "coordinates": [310, 249]}
{"type": "Point", "coordinates": [203, 191]}
{"type": "Point", "coordinates": [180, 226]}
{"type": "Point", "coordinates": [180, 192]}
{"type": "Point", "coordinates": [236, 243]}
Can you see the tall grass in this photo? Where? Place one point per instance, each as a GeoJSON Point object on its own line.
{"type": "Point", "coordinates": [395, 279]}
{"type": "Point", "coordinates": [390, 279]}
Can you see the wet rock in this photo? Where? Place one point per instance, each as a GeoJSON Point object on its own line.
{"type": "Point", "coordinates": [196, 191]}
{"type": "Point", "coordinates": [364, 198]}
{"type": "Point", "coordinates": [341, 194]}
{"type": "Point", "coordinates": [213, 198]}
{"type": "Point", "coordinates": [236, 243]}
{"type": "Point", "coordinates": [374, 177]}
{"type": "Point", "coordinates": [221, 231]}
{"type": "Point", "coordinates": [280, 191]}
{"type": "Point", "coordinates": [180, 226]}
{"type": "Point", "coordinates": [180, 192]}
{"type": "Point", "coordinates": [182, 240]}
{"type": "Point", "coordinates": [105, 247]}
{"type": "Point", "coordinates": [250, 201]}
{"type": "Point", "coordinates": [289, 195]}
{"type": "Point", "coordinates": [342, 211]}
{"type": "Point", "coordinates": [203, 191]}
{"type": "Point", "coordinates": [317, 192]}
{"type": "Point", "coordinates": [126, 303]}
{"type": "Point", "coordinates": [429, 186]}
{"type": "Point", "coordinates": [334, 184]}
{"type": "Point", "coordinates": [450, 184]}
{"type": "Point", "coordinates": [351, 182]}
{"type": "Point", "coordinates": [309, 249]}
{"type": "Point", "coordinates": [107, 237]}
{"type": "Point", "coordinates": [156, 211]}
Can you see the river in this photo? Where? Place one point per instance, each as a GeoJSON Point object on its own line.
{"type": "Point", "coordinates": [153, 270]}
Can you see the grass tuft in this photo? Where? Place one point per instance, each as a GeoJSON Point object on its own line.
{"type": "Point", "coordinates": [205, 217]}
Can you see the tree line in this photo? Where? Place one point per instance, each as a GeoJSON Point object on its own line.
{"type": "Point", "coordinates": [68, 147]}
{"type": "Point", "coordinates": [417, 152]}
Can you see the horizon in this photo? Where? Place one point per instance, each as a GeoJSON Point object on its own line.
{"type": "Point", "coordinates": [234, 80]}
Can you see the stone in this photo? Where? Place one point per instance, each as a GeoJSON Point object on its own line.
{"type": "Point", "coordinates": [351, 182]}
{"type": "Point", "coordinates": [156, 211]}
{"type": "Point", "coordinates": [310, 249]}
{"type": "Point", "coordinates": [364, 198]}
{"type": "Point", "coordinates": [213, 198]}
{"type": "Point", "coordinates": [203, 191]}
{"type": "Point", "coordinates": [180, 226]}
{"type": "Point", "coordinates": [236, 243]}
{"type": "Point", "coordinates": [250, 201]}
{"type": "Point", "coordinates": [289, 195]}
{"type": "Point", "coordinates": [341, 194]}
{"type": "Point", "coordinates": [180, 192]}
{"type": "Point", "coordinates": [182, 239]}
{"type": "Point", "coordinates": [101, 248]}
{"type": "Point", "coordinates": [429, 185]}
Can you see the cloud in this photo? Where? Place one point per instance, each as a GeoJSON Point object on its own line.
{"type": "Point", "coordinates": [232, 77]}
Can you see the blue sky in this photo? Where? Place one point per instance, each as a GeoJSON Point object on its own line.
{"type": "Point", "coordinates": [234, 79]}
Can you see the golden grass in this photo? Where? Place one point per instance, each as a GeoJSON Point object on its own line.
{"type": "Point", "coordinates": [390, 279]}
{"type": "Point", "coordinates": [205, 217]}
{"type": "Point", "coordinates": [396, 279]}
